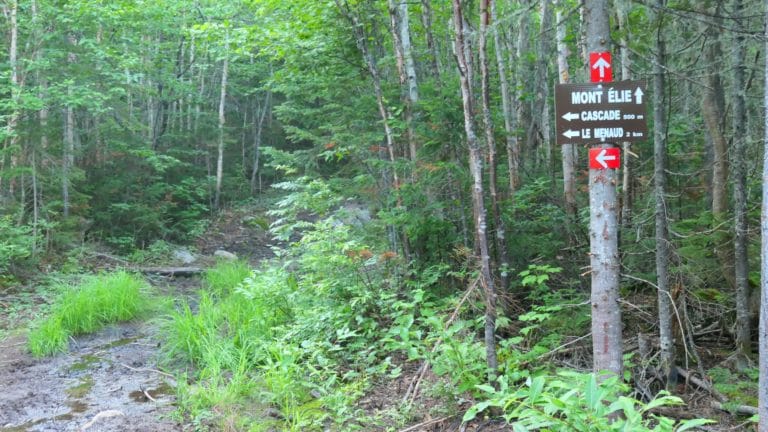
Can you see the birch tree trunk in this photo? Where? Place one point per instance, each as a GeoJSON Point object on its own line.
{"type": "Point", "coordinates": [222, 121]}
{"type": "Point", "coordinates": [603, 229]}
{"type": "Point", "coordinates": [666, 336]}
{"type": "Point", "coordinates": [500, 238]}
{"type": "Point", "coordinates": [478, 199]}
{"type": "Point", "coordinates": [400, 28]}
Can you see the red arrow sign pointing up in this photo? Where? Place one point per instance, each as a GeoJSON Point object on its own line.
{"type": "Point", "coordinates": [604, 158]}
{"type": "Point", "coordinates": [600, 69]}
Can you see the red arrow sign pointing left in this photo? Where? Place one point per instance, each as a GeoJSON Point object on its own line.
{"type": "Point", "coordinates": [600, 69]}
{"type": "Point", "coordinates": [604, 158]}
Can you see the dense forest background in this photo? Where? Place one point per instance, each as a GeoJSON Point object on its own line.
{"type": "Point", "coordinates": [426, 128]}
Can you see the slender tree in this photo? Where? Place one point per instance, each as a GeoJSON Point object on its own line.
{"type": "Point", "coordinates": [478, 195]}
{"type": "Point", "coordinates": [568, 151]}
{"type": "Point", "coordinates": [222, 123]}
{"type": "Point", "coordinates": [508, 111]}
{"type": "Point", "coordinates": [490, 142]}
{"type": "Point", "coordinates": [741, 259]}
{"type": "Point", "coordinates": [666, 336]}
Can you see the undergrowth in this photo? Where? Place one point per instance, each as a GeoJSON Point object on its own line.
{"type": "Point", "coordinates": [294, 344]}
{"type": "Point", "coordinates": [88, 307]}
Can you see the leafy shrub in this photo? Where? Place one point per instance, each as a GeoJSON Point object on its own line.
{"type": "Point", "coordinates": [86, 308]}
{"type": "Point", "coordinates": [576, 402]}
{"type": "Point", "coordinates": [15, 242]}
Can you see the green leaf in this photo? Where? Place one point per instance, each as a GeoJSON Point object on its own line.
{"type": "Point", "coordinates": [690, 424]}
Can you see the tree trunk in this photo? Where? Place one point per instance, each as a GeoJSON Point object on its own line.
{"type": "Point", "coordinates": [666, 336]}
{"type": "Point", "coordinates": [68, 156]}
{"type": "Point", "coordinates": [568, 151]}
{"type": "Point", "coordinates": [603, 229]}
{"type": "Point", "coordinates": [258, 128]}
{"type": "Point", "coordinates": [713, 112]}
{"type": "Point", "coordinates": [222, 120]}
{"type": "Point", "coordinates": [426, 21]}
{"type": "Point", "coordinates": [537, 134]}
{"type": "Point", "coordinates": [521, 64]}
{"type": "Point", "coordinates": [502, 263]}
{"type": "Point", "coordinates": [10, 8]}
{"type": "Point", "coordinates": [400, 28]}
{"type": "Point", "coordinates": [741, 260]}
{"type": "Point", "coordinates": [478, 199]}
{"type": "Point", "coordinates": [626, 183]}
{"type": "Point", "coordinates": [510, 121]}
{"type": "Point", "coordinates": [763, 331]}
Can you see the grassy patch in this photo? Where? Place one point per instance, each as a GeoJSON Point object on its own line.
{"type": "Point", "coordinates": [225, 276]}
{"type": "Point", "coordinates": [86, 308]}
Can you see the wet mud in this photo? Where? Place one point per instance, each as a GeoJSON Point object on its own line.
{"type": "Point", "coordinates": [108, 381]}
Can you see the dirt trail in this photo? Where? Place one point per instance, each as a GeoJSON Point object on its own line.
{"type": "Point", "coordinates": [109, 381]}
{"type": "Point", "coordinates": [108, 373]}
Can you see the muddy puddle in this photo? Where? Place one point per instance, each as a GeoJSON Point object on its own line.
{"type": "Point", "coordinates": [107, 382]}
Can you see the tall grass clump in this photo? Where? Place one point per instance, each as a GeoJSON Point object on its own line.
{"type": "Point", "coordinates": [88, 307]}
{"type": "Point", "coordinates": [225, 276]}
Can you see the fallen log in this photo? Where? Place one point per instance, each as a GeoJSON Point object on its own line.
{"type": "Point", "coordinates": [171, 271]}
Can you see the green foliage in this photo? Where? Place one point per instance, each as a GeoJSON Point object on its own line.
{"type": "Point", "coordinates": [48, 338]}
{"type": "Point", "coordinates": [97, 301]}
{"type": "Point", "coordinates": [739, 387]}
{"type": "Point", "coordinates": [573, 402]}
{"type": "Point", "coordinates": [15, 242]}
{"type": "Point", "coordinates": [225, 276]}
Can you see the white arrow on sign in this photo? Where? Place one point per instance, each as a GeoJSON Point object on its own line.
{"type": "Point", "coordinates": [602, 65]}
{"type": "Point", "coordinates": [639, 96]}
{"type": "Point", "coordinates": [570, 116]}
{"type": "Point", "coordinates": [602, 157]}
{"type": "Point", "coordinates": [571, 133]}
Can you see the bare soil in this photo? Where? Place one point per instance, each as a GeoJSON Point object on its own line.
{"type": "Point", "coordinates": [109, 376]}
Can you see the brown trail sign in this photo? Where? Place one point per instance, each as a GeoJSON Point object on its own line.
{"type": "Point", "coordinates": [600, 112]}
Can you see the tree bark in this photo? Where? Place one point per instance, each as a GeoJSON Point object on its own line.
{"type": "Point", "coordinates": [538, 134]}
{"type": "Point", "coordinates": [626, 183]}
{"type": "Point", "coordinates": [603, 230]}
{"type": "Point", "coordinates": [478, 199]}
{"type": "Point", "coordinates": [10, 9]}
{"type": "Point", "coordinates": [400, 28]}
{"type": "Point", "coordinates": [666, 335]}
{"type": "Point", "coordinates": [568, 151]}
{"type": "Point", "coordinates": [509, 114]}
{"type": "Point", "coordinates": [258, 129]}
{"type": "Point", "coordinates": [426, 21]}
{"type": "Point", "coordinates": [68, 156]}
{"type": "Point", "coordinates": [502, 263]}
{"type": "Point", "coordinates": [763, 330]}
{"type": "Point", "coordinates": [713, 112]}
{"type": "Point", "coordinates": [741, 242]}
{"type": "Point", "coordinates": [222, 121]}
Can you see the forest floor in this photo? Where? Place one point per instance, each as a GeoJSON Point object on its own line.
{"type": "Point", "coordinates": [109, 380]}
